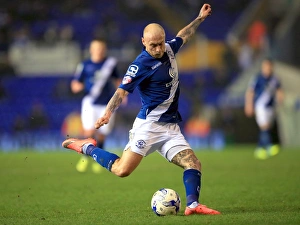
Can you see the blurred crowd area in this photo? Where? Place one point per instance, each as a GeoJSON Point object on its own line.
{"type": "Point", "coordinates": [41, 101]}
{"type": "Point", "coordinates": [120, 22]}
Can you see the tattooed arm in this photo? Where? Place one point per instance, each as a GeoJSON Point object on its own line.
{"type": "Point", "coordinates": [111, 107]}
{"type": "Point", "coordinates": [187, 32]}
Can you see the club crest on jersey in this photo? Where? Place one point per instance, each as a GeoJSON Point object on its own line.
{"type": "Point", "coordinates": [140, 144]}
{"type": "Point", "coordinates": [172, 72]}
{"type": "Point", "coordinates": [132, 70]}
{"type": "Point", "coordinates": [126, 80]}
{"type": "Point", "coordinates": [170, 54]}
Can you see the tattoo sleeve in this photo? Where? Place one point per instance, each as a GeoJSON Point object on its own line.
{"type": "Point", "coordinates": [114, 102]}
{"type": "Point", "coordinates": [188, 31]}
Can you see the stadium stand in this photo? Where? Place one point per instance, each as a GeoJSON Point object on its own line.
{"type": "Point", "coordinates": [39, 24]}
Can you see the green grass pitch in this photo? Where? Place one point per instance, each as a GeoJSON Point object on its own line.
{"type": "Point", "coordinates": [44, 188]}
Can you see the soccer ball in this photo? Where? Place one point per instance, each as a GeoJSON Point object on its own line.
{"type": "Point", "coordinates": [165, 201]}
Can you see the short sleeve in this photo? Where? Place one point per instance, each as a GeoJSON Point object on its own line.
{"type": "Point", "coordinates": [135, 74]}
{"type": "Point", "coordinates": [175, 44]}
{"type": "Point", "coordinates": [253, 83]}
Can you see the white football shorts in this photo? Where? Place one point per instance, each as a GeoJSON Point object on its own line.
{"type": "Point", "coordinates": [91, 112]}
{"type": "Point", "coordinates": [146, 137]}
{"type": "Point", "coordinates": [264, 116]}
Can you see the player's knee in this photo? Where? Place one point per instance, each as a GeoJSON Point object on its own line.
{"type": "Point", "coordinates": [265, 127]}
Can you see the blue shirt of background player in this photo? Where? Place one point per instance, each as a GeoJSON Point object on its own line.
{"type": "Point", "coordinates": [260, 85]}
{"type": "Point", "coordinates": [86, 75]}
{"type": "Point", "coordinates": [152, 79]}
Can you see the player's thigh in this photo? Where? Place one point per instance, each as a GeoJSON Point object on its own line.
{"type": "Point", "coordinates": [178, 151]}
{"type": "Point", "coordinates": [264, 118]}
{"type": "Point", "coordinates": [87, 114]}
{"type": "Point", "coordinates": [127, 163]}
{"type": "Point", "coordinates": [145, 137]}
{"type": "Point", "coordinates": [173, 143]}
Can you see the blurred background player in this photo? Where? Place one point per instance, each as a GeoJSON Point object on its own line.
{"type": "Point", "coordinates": [260, 98]}
{"type": "Point", "coordinates": [98, 78]}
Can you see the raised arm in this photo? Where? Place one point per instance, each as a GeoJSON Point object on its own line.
{"type": "Point", "coordinates": [188, 31]}
{"type": "Point", "coordinates": [111, 107]}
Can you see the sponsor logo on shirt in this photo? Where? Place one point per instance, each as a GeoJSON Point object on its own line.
{"type": "Point", "coordinates": [156, 65]}
{"type": "Point", "coordinates": [132, 70]}
{"type": "Point", "coordinates": [126, 80]}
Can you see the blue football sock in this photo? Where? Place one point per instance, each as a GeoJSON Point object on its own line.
{"type": "Point", "coordinates": [192, 183]}
{"type": "Point", "coordinates": [104, 158]}
{"type": "Point", "coordinates": [265, 139]}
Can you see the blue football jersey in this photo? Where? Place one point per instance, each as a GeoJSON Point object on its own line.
{"type": "Point", "coordinates": [265, 90]}
{"type": "Point", "coordinates": [98, 79]}
{"type": "Point", "coordinates": [157, 83]}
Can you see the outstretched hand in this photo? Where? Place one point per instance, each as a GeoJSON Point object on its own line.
{"type": "Point", "coordinates": [101, 121]}
{"type": "Point", "coordinates": [205, 11]}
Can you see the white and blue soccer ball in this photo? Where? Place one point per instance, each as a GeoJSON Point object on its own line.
{"type": "Point", "coordinates": [165, 202]}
